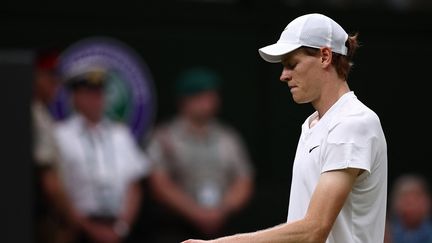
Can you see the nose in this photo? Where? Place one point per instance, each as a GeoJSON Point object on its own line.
{"type": "Point", "coordinates": [286, 75]}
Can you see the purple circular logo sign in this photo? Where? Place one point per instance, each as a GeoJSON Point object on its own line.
{"type": "Point", "coordinates": [130, 96]}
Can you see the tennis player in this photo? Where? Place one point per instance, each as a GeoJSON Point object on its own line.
{"type": "Point", "coordinates": [339, 182]}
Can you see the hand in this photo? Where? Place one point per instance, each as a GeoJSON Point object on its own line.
{"type": "Point", "coordinates": [194, 241]}
{"type": "Point", "coordinates": [101, 233]}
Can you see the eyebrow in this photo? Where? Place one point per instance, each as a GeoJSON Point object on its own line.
{"type": "Point", "coordinates": [289, 57]}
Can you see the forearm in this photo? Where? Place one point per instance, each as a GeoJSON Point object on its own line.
{"type": "Point", "coordinates": [57, 196]}
{"type": "Point", "coordinates": [170, 194]}
{"type": "Point", "coordinates": [326, 203]}
{"type": "Point", "coordinates": [300, 231]}
{"type": "Point", "coordinates": [181, 203]}
{"type": "Point", "coordinates": [132, 203]}
{"type": "Point", "coordinates": [238, 194]}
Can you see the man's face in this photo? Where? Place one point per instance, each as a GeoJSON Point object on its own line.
{"type": "Point", "coordinates": [302, 74]}
{"type": "Point", "coordinates": [90, 102]}
{"type": "Point", "coordinates": [46, 85]}
{"type": "Point", "coordinates": [202, 106]}
{"type": "Point", "coordinates": [413, 206]}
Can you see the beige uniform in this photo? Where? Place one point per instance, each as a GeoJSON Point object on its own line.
{"type": "Point", "coordinates": [204, 167]}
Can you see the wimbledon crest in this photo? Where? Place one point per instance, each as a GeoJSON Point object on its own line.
{"type": "Point", "coordinates": [130, 97]}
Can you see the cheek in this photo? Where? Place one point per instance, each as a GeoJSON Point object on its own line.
{"type": "Point", "coordinates": [308, 76]}
{"type": "Point", "coordinates": [93, 101]}
{"type": "Point", "coordinates": [210, 103]}
{"type": "Point", "coordinates": [100, 102]}
{"type": "Point", "coordinates": [302, 79]}
{"type": "Point", "coordinates": [202, 106]}
{"type": "Point", "coordinates": [190, 107]}
{"type": "Point", "coordinates": [53, 88]}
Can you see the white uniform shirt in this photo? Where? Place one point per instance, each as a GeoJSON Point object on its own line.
{"type": "Point", "coordinates": [349, 135]}
{"type": "Point", "coordinates": [97, 165]}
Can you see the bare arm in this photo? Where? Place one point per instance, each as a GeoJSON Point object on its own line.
{"type": "Point", "coordinates": [56, 194]}
{"type": "Point", "coordinates": [170, 194]}
{"type": "Point", "coordinates": [238, 195]}
{"type": "Point", "coordinates": [132, 203]}
{"type": "Point", "coordinates": [327, 200]}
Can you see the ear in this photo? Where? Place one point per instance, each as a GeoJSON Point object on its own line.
{"type": "Point", "coordinates": [326, 56]}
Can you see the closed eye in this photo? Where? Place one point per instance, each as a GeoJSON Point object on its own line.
{"type": "Point", "coordinates": [292, 66]}
{"type": "Point", "coordinates": [289, 65]}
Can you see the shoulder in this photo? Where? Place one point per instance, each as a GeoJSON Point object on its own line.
{"type": "Point", "coordinates": [118, 127]}
{"type": "Point", "coordinates": [65, 127]}
{"type": "Point", "coordinates": [67, 133]}
{"type": "Point", "coordinates": [120, 131]}
{"type": "Point", "coordinates": [355, 122]}
{"type": "Point", "coordinates": [164, 128]}
{"type": "Point", "coordinates": [355, 114]}
{"type": "Point", "coordinates": [226, 131]}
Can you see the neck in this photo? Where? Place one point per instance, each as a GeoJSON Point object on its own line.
{"type": "Point", "coordinates": [330, 94]}
{"type": "Point", "coordinates": [90, 121]}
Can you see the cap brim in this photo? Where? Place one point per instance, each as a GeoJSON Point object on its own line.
{"type": "Point", "coordinates": [274, 53]}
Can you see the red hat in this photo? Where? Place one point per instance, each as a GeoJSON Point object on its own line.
{"type": "Point", "coordinates": [47, 60]}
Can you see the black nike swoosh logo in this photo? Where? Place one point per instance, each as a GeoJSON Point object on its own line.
{"type": "Point", "coordinates": [310, 150]}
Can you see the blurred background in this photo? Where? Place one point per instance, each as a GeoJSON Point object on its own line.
{"type": "Point", "coordinates": [391, 75]}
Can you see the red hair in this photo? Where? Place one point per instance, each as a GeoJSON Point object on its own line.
{"type": "Point", "coordinates": [342, 63]}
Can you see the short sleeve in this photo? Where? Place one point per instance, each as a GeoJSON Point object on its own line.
{"type": "Point", "coordinates": [138, 162]}
{"type": "Point", "coordinates": [350, 144]}
{"type": "Point", "coordinates": [156, 150]}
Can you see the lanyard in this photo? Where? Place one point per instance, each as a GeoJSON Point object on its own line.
{"type": "Point", "coordinates": [207, 162]}
{"type": "Point", "coordinates": [100, 163]}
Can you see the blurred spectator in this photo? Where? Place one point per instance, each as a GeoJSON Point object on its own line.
{"type": "Point", "coordinates": [45, 86]}
{"type": "Point", "coordinates": [101, 165]}
{"type": "Point", "coordinates": [410, 211]}
{"type": "Point", "coordinates": [45, 153]}
{"type": "Point", "coordinates": [409, 5]}
{"type": "Point", "coordinates": [202, 171]}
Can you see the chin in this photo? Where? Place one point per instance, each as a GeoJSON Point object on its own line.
{"type": "Point", "coordinates": [299, 100]}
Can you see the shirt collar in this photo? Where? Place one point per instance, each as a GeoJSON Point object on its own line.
{"type": "Point", "coordinates": [347, 96]}
{"type": "Point", "coordinates": [181, 127]}
{"type": "Point", "coordinates": [80, 122]}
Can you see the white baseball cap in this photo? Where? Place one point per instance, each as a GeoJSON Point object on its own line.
{"type": "Point", "coordinates": [312, 30]}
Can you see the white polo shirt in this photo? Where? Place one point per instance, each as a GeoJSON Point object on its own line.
{"type": "Point", "coordinates": [349, 135]}
{"type": "Point", "coordinates": [97, 165]}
